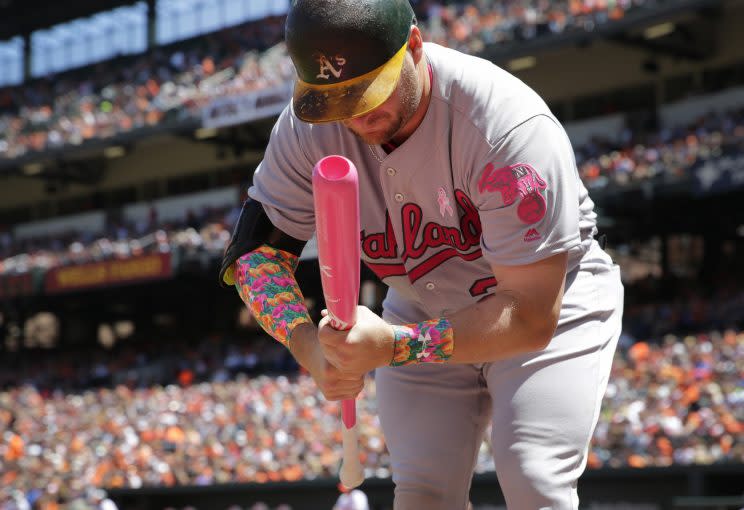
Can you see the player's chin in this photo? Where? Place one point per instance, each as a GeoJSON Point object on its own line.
{"type": "Point", "coordinates": [377, 136]}
{"type": "Point", "coordinates": [372, 137]}
{"type": "Point", "coordinates": [376, 140]}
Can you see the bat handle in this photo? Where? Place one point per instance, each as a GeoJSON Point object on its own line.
{"type": "Point", "coordinates": [351, 473]}
{"type": "Point", "coordinates": [348, 413]}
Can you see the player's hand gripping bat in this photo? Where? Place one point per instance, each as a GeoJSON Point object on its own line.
{"type": "Point", "coordinates": [336, 195]}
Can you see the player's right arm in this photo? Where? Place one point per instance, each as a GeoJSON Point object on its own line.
{"type": "Point", "coordinates": [260, 262]}
{"type": "Point", "coordinates": [263, 254]}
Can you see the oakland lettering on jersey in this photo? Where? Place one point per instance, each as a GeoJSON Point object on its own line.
{"type": "Point", "coordinates": [419, 237]}
{"type": "Point", "coordinates": [381, 245]}
{"type": "Point", "coordinates": [434, 235]}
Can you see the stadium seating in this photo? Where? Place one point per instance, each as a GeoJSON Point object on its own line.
{"type": "Point", "coordinates": [669, 154]}
{"type": "Point", "coordinates": [678, 401]}
{"type": "Point", "coordinates": [172, 83]}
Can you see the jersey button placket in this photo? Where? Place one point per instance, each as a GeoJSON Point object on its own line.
{"type": "Point", "coordinates": [430, 286]}
{"type": "Point", "coordinates": [399, 197]}
{"type": "Point", "coordinates": [391, 172]}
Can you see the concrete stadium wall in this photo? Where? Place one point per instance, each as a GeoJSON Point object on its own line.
{"type": "Point", "coordinates": [149, 164]}
{"type": "Point", "coordinates": [601, 489]}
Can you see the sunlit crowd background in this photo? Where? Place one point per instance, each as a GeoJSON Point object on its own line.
{"type": "Point", "coordinates": [217, 408]}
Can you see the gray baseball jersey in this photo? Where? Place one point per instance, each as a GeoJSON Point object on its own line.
{"type": "Point", "coordinates": [489, 177]}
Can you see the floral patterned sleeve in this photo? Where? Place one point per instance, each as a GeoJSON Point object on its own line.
{"type": "Point", "coordinates": [265, 281]}
{"type": "Point", "coordinates": [430, 341]}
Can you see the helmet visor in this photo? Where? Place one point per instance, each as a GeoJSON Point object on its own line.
{"type": "Point", "coordinates": [351, 98]}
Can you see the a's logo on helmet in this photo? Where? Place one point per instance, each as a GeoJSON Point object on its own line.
{"type": "Point", "coordinates": [326, 66]}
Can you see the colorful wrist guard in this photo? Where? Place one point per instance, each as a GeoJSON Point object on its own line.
{"type": "Point", "coordinates": [266, 283]}
{"type": "Point", "coordinates": [430, 341]}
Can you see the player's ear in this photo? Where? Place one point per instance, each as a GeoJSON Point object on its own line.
{"type": "Point", "coordinates": [416, 44]}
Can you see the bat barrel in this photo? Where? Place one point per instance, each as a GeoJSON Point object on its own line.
{"type": "Point", "coordinates": [336, 195]}
{"type": "Point", "coordinates": [336, 168]}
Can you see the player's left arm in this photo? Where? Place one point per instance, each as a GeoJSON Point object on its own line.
{"type": "Point", "coordinates": [526, 193]}
{"type": "Point", "coordinates": [519, 317]}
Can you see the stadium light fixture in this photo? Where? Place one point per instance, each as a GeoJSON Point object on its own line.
{"type": "Point", "coordinates": [205, 133]}
{"type": "Point", "coordinates": [32, 169]}
{"type": "Point", "coordinates": [520, 64]}
{"type": "Point", "coordinates": [660, 30]}
{"type": "Point", "coordinates": [115, 151]}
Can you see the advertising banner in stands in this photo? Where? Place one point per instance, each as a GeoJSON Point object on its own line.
{"type": "Point", "coordinates": [112, 272]}
{"type": "Point", "coordinates": [229, 111]}
{"type": "Point", "coordinates": [720, 174]}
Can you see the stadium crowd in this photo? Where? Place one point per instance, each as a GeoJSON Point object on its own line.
{"type": "Point", "coordinates": [679, 401]}
{"type": "Point", "coordinates": [668, 154]}
{"type": "Point", "coordinates": [221, 409]}
{"type": "Point", "coordinates": [200, 231]}
{"type": "Point", "coordinates": [166, 84]}
{"type": "Point", "coordinates": [473, 26]}
{"type": "Point", "coordinates": [174, 82]}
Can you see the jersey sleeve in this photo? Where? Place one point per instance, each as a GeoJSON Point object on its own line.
{"type": "Point", "coordinates": [283, 181]}
{"type": "Point", "coordinates": [527, 194]}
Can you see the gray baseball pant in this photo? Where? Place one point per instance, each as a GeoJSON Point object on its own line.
{"type": "Point", "coordinates": [543, 408]}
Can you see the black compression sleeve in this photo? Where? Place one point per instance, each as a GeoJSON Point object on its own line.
{"type": "Point", "coordinates": [253, 229]}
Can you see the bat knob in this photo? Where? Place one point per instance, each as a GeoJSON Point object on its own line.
{"type": "Point", "coordinates": [351, 478]}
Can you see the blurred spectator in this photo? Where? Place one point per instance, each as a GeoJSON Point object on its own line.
{"type": "Point", "coordinates": [102, 501]}
{"type": "Point", "coordinates": [354, 499]}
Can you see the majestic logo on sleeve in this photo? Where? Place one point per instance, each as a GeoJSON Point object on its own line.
{"type": "Point", "coordinates": [519, 181]}
{"type": "Point", "coordinates": [326, 66]}
{"type": "Point", "coordinates": [418, 238]}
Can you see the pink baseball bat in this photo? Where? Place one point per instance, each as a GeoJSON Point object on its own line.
{"type": "Point", "coordinates": [336, 195]}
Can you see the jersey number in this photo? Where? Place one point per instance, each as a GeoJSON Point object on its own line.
{"type": "Point", "coordinates": [481, 286]}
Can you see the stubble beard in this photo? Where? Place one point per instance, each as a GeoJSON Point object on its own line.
{"type": "Point", "coordinates": [384, 136]}
{"type": "Point", "coordinates": [409, 102]}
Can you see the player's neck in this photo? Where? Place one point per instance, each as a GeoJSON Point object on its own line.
{"type": "Point", "coordinates": [424, 73]}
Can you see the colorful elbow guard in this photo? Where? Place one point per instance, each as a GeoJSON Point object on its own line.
{"type": "Point", "coordinates": [430, 341]}
{"type": "Point", "coordinates": [266, 283]}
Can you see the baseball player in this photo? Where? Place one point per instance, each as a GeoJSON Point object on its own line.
{"type": "Point", "coordinates": [501, 305]}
